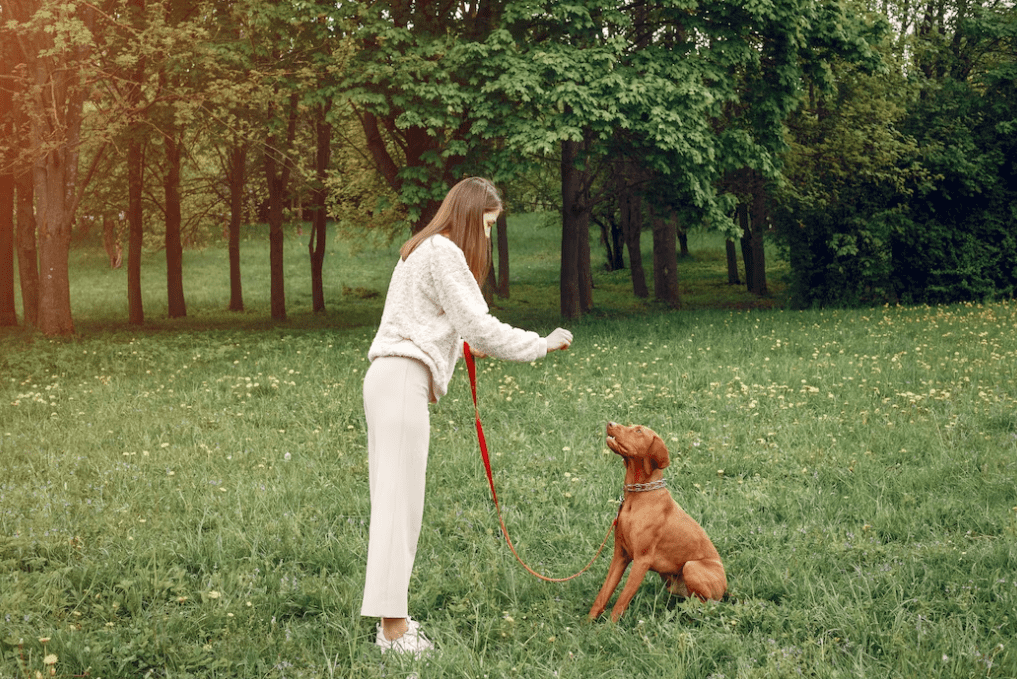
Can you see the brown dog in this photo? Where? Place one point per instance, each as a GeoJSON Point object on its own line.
{"type": "Point", "coordinates": [653, 532]}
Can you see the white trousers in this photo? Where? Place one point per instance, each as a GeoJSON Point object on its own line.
{"type": "Point", "coordinates": [396, 394]}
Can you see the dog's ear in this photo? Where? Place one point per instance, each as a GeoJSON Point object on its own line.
{"type": "Point", "coordinates": [658, 453]}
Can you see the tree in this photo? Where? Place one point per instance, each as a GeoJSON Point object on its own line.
{"type": "Point", "coordinates": [278, 167]}
{"type": "Point", "coordinates": [630, 202]}
{"type": "Point", "coordinates": [959, 243]}
{"type": "Point", "coordinates": [55, 40]}
{"type": "Point", "coordinates": [236, 166]}
{"type": "Point", "coordinates": [687, 93]}
{"type": "Point", "coordinates": [178, 86]}
{"type": "Point", "coordinates": [417, 82]}
{"type": "Point", "coordinates": [576, 285]}
{"type": "Point", "coordinates": [665, 270]}
{"type": "Point", "coordinates": [228, 103]}
{"type": "Point", "coordinates": [848, 174]}
{"type": "Point", "coordinates": [16, 166]}
{"type": "Point", "coordinates": [404, 92]}
{"type": "Point", "coordinates": [328, 52]}
{"type": "Point", "coordinates": [899, 179]}
{"type": "Point", "coordinates": [8, 314]}
{"type": "Point", "coordinates": [319, 216]}
{"type": "Point", "coordinates": [172, 145]}
{"type": "Point", "coordinates": [134, 82]}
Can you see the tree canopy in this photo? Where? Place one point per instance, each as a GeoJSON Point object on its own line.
{"type": "Point", "coordinates": [874, 141]}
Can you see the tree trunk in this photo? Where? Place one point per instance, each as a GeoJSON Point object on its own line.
{"type": "Point", "coordinates": [417, 145]}
{"type": "Point", "coordinates": [569, 276]}
{"type": "Point", "coordinates": [665, 261]}
{"type": "Point", "coordinates": [8, 314]}
{"type": "Point", "coordinates": [111, 242]}
{"type": "Point", "coordinates": [576, 285]}
{"type": "Point", "coordinates": [420, 144]}
{"type": "Point", "coordinates": [632, 227]}
{"type": "Point", "coordinates": [28, 252]}
{"type": "Point", "coordinates": [54, 230]}
{"type": "Point", "coordinates": [235, 173]}
{"type": "Point", "coordinates": [613, 241]}
{"type": "Point", "coordinates": [748, 252]}
{"type": "Point", "coordinates": [502, 288]}
{"type": "Point", "coordinates": [135, 230]}
{"type": "Point", "coordinates": [585, 266]}
{"type": "Point", "coordinates": [319, 218]}
{"type": "Point", "coordinates": [174, 248]}
{"type": "Point", "coordinates": [758, 224]}
{"type": "Point", "coordinates": [276, 188]}
{"type": "Point", "coordinates": [732, 263]}
{"type": "Point", "coordinates": [379, 152]}
{"type": "Point", "coordinates": [55, 97]}
{"type": "Point", "coordinates": [277, 175]}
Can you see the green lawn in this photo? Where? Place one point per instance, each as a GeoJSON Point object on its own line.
{"type": "Point", "coordinates": [189, 499]}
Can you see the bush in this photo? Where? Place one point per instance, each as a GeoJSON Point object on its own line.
{"type": "Point", "coordinates": [840, 255]}
{"type": "Point", "coordinates": [949, 237]}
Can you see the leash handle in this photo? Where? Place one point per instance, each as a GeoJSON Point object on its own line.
{"type": "Point", "coordinates": [471, 367]}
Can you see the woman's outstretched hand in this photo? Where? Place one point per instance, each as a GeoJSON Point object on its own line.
{"type": "Point", "coordinates": [560, 338]}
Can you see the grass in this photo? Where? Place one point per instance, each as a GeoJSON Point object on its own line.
{"type": "Point", "coordinates": [189, 499]}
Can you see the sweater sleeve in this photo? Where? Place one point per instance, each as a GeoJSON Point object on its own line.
{"type": "Point", "coordinates": [460, 298]}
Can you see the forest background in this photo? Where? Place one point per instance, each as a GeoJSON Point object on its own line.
{"type": "Point", "coordinates": [873, 140]}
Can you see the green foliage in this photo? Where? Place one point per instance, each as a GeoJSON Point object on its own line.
{"type": "Point", "coordinates": [963, 246]}
{"type": "Point", "coordinates": [840, 255]}
{"type": "Point", "coordinates": [901, 187]}
{"type": "Point", "coordinates": [691, 90]}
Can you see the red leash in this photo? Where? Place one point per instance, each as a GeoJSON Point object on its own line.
{"type": "Point", "coordinates": [472, 368]}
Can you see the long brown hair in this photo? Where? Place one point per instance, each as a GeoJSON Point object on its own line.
{"type": "Point", "coordinates": [461, 218]}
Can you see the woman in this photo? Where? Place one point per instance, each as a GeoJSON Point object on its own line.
{"type": "Point", "coordinates": [434, 302]}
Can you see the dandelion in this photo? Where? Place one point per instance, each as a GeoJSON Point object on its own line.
{"type": "Point", "coordinates": [50, 659]}
{"type": "Point", "coordinates": [213, 595]}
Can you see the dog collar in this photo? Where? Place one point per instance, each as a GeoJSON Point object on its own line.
{"type": "Point", "coordinates": [643, 487]}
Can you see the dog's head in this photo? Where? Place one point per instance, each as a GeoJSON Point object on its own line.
{"type": "Point", "coordinates": [638, 444]}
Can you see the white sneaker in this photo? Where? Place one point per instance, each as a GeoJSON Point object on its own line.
{"type": "Point", "coordinates": [412, 641]}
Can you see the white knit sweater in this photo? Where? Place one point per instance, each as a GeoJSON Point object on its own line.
{"type": "Point", "coordinates": [433, 304]}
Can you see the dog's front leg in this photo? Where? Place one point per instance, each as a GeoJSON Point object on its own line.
{"type": "Point", "coordinates": [614, 575]}
{"type": "Point", "coordinates": [636, 575]}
